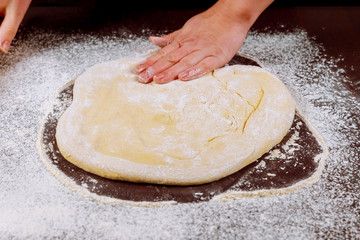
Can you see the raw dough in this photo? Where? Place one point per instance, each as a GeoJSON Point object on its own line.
{"type": "Point", "coordinates": [179, 133]}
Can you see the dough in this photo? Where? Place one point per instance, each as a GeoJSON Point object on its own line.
{"type": "Point", "coordinates": [179, 133]}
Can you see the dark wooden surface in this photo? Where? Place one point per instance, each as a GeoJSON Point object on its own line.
{"type": "Point", "coordinates": [337, 28]}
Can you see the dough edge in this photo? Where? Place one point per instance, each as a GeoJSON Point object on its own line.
{"type": "Point", "coordinates": [130, 173]}
{"type": "Point", "coordinates": [223, 197]}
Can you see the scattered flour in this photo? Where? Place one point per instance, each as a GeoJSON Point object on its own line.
{"type": "Point", "coordinates": [34, 204]}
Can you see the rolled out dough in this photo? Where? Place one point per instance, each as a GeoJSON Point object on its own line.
{"type": "Point", "coordinates": [179, 133]}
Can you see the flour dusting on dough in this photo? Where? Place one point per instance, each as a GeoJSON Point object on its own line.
{"type": "Point", "coordinates": [180, 133]}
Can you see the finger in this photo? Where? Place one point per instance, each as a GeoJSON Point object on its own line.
{"type": "Point", "coordinates": [168, 61]}
{"type": "Point", "coordinates": [159, 41]}
{"type": "Point", "coordinates": [14, 14]}
{"type": "Point", "coordinates": [203, 67]}
{"type": "Point", "coordinates": [185, 63]}
{"type": "Point", "coordinates": [157, 56]}
{"type": "Point", "coordinates": [163, 40]}
{"type": "Point", "coordinates": [146, 76]}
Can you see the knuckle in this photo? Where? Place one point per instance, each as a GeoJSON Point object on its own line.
{"type": "Point", "coordinates": [150, 61]}
{"type": "Point", "coordinates": [218, 52]}
{"type": "Point", "coordinates": [172, 58]}
{"type": "Point", "coordinates": [186, 62]}
{"type": "Point", "coordinates": [188, 50]}
{"type": "Point", "coordinates": [10, 32]}
{"type": "Point", "coordinates": [207, 66]}
{"type": "Point", "coordinates": [177, 42]}
{"type": "Point", "coordinates": [162, 53]}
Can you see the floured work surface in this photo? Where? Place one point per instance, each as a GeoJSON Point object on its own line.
{"type": "Point", "coordinates": [35, 204]}
{"type": "Point", "coordinates": [295, 162]}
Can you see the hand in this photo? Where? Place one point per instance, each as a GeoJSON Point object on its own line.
{"type": "Point", "coordinates": [13, 12]}
{"type": "Point", "coordinates": [207, 41]}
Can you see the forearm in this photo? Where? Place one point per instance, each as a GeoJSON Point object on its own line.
{"type": "Point", "coordinates": [245, 12]}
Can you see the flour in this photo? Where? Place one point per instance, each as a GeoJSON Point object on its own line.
{"type": "Point", "coordinates": [34, 204]}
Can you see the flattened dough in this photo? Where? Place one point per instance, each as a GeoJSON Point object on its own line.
{"type": "Point", "coordinates": [179, 133]}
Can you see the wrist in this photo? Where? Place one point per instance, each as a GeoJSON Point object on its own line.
{"type": "Point", "coordinates": [243, 12]}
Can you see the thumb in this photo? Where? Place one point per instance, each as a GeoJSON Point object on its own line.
{"type": "Point", "coordinates": [163, 40]}
{"type": "Point", "coordinates": [15, 12]}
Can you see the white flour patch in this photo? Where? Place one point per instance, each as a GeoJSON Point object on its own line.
{"type": "Point", "coordinates": [34, 204]}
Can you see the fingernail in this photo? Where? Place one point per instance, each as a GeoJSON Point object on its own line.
{"type": "Point", "coordinates": [159, 77]}
{"type": "Point", "coordinates": [156, 39]}
{"type": "Point", "coordinates": [139, 68]}
{"type": "Point", "coordinates": [159, 41]}
{"type": "Point", "coordinates": [193, 73]}
{"type": "Point", "coordinates": [5, 46]}
{"type": "Point", "coordinates": [146, 76]}
{"type": "Point", "coordinates": [143, 77]}
{"type": "Point", "coordinates": [182, 75]}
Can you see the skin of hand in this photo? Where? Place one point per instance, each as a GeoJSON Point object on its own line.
{"type": "Point", "coordinates": [13, 12]}
{"type": "Point", "coordinates": [206, 41]}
